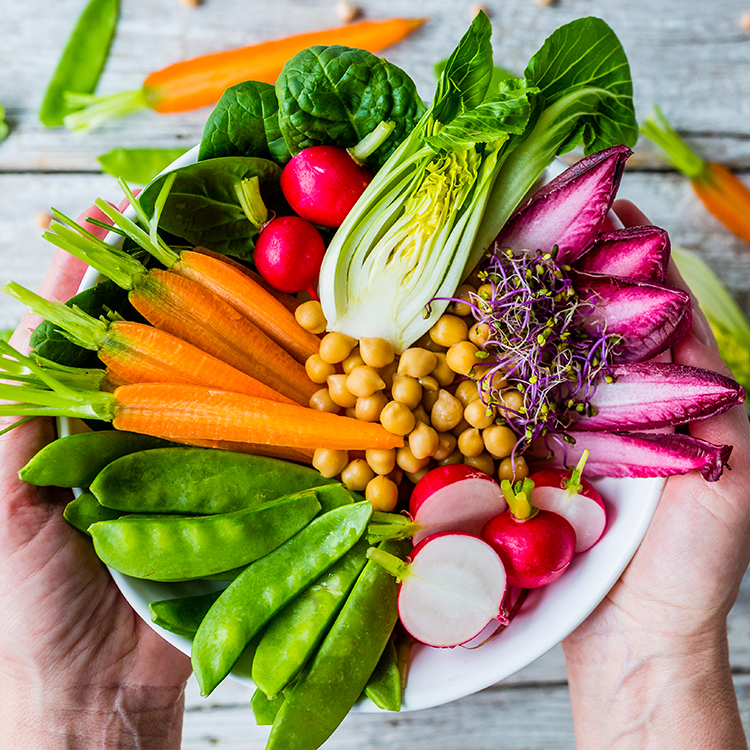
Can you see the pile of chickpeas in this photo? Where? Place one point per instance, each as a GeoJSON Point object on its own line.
{"type": "Point", "coordinates": [430, 395]}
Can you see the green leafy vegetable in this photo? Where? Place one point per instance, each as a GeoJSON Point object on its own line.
{"type": "Point", "coordinates": [4, 130]}
{"type": "Point", "coordinates": [138, 165]}
{"type": "Point", "coordinates": [203, 207]}
{"type": "Point", "coordinates": [82, 61]}
{"type": "Point", "coordinates": [338, 95]}
{"type": "Point", "coordinates": [498, 75]}
{"type": "Point", "coordinates": [245, 122]}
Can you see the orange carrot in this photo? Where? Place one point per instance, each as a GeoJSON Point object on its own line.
{"type": "Point", "coordinates": [202, 80]}
{"type": "Point", "coordinates": [184, 412]}
{"type": "Point", "coordinates": [720, 191]}
{"type": "Point", "coordinates": [287, 453]}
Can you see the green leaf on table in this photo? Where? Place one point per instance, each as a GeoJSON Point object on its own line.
{"type": "Point", "coordinates": [4, 129]}
{"type": "Point", "coordinates": [138, 165]}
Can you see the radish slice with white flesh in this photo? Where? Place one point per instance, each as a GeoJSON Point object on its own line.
{"type": "Point", "coordinates": [451, 589]}
{"type": "Point", "coordinates": [454, 498]}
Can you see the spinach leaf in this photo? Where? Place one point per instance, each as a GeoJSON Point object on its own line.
{"type": "Point", "coordinates": [138, 165]}
{"type": "Point", "coordinates": [337, 95]}
{"type": "Point", "coordinates": [245, 122]}
{"type": "Point", "coordinates": [203, 207]}
{"type": "Point", "coordinates": [49, 342]}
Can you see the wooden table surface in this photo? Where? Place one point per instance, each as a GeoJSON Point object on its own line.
{"type": "Point", "coordinates": [691, 57]}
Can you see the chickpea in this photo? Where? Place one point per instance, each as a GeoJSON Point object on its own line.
{"type": "Point", "coordinates": [356, 474]}
{"type": "Point", "coordinates": [397, 418]}
{"type": "Point", "coordinates": [425, 342]}
{"type": "Point", "coordinates": [369, 408]}
{"type": "Point", "coordinates": [388, 372]}
{"type": "Point", "coordinates": [479, 415]}
{"type": "Point", "coordinates": [376, 352]}
{"type": "Point", "coordinates": [421, 415]}
{"type": "Point", "coordinates": [490, 383]}
{"type": "Point", "coordinates": [352, 361]}
{"type": "Point", "coordinates": [336, 347]}
{"type": "Point", "coordinates": [418, 475]}
{"type": "Point", "coordinates": [310, 316]}
{"type": "Point", "coordinates": [407, 461]}
{"type": "Point", "coordinates": [446, 445]}
{"type": "Point", "coordinates": [514, 470]}
{"type": "Point", "coordinates": [423, 441]}
{"type": "Point", "coordinates": [513, 399]}
{"type": "Point", "coordinates": [454, 458]}
{"type": "Point", "coordinates": [462, 309]}
{"type": "Point", "coordinates": [340, 394]}
{"type": "Point", "coordinates": [429, 384]}
{"type": "Point", "coordinates": [484, 462]}
{"type": "Point", "coordinates": [467, 391]}
{"type": "Point", "coordinates": [470, 443]}
{"type": "Point", "coordinates": [417, 362]}
{"type": "Point", "coordinates": [396, 475]}
{"type": "Point", "coordinates": [363, 381]}
{"type": "Point", "coordinates": [330, 463]}
{"type": "Point", "coordinates": [442, 373]}
{"type": "Point", "coordinates": [381, 460]}
{"type": "Point", "coordinates": [321, 401]}
{"type": "Point", "coordinates": [461, 427]}
{"type": "Point", "coordinates": [479, 334]}
{"type": "Point", "coordinates": [485, 291]}
{"type": "Point", "coordinates": [429, 399]}
{"type": "Point", "coordinates": [382, 494]}
{"type": "Point", "coordinates": [499, 440]}
{"type": "Point", "coordinates": [449, 330]}
{"type": "Point", "coordinates": [447, 412]}
{"type": "Point", "coordinates": [462, 358]}
{"type": "Point", "coordinates": [318, 370]}
{"type": "Point", "coordinates": [351, 412]}
{"type": "Point", "coordinates": [406, 390]}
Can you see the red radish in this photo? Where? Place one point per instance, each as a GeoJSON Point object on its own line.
{"type": "Point", "coordinates": [451, 588]}
{"type": "Point", "coordinates": [536, 546]}
{"type": "Point", "coordinates": [567, 494]}
{"type": "Point", "coordinates": [288, 254]}
{"type": "Point", "coordinates": [322, 183]}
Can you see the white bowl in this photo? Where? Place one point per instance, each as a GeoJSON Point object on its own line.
{"type": "Point", "coordinates": [547, 616]}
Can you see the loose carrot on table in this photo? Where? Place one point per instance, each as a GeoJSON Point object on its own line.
{"type": "Point", "coordinates": [138, 353]}
{"type": "Point", "coordinates": [720, 191]}
{"type": "Point", "coordinates": [202, 80]}
{"type": "Point", "coordinates": [189, 311]}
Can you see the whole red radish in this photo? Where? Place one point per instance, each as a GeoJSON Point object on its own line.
{"type": "Point", "coordinates": [288, 254]}
{"type": "Point", "coordinates": [322, 183]}
{"type": "Point", "coordinates": [452, 587]}
{"type": "Point", "coordinates": [536, 546]}
{"type": "Point", "coordinates": [568, 494]}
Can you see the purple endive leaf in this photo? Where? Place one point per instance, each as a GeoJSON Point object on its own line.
{"type": "Point", "coordinates": [649, 317]}
{"type": "Point", "coordinates": [642, 454]}
{"type": "Point", "coordinates": [635, 252]}
{"type": "Point", "coordinates": [646, 395]}
{"type": "Point", "coordinates": [568, 212]}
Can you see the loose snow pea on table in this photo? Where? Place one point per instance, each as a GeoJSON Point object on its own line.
{"type": "Point", "coordinates": [325, 692]}
{"type": "Point", "coordinates": [75, 460]}
{"type": "Point", "coordinates": [198, 480]}
{"type": "Point", "coordinates": [264, 587]}
{"type": "Point", "coordinates": [169, 548]}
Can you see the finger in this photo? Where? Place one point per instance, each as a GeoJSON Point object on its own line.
{"type": "Point", "coordinates": [628, 214]}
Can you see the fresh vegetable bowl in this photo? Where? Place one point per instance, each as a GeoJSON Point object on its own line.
{"type": "Point", "coordinates": [547, 616]}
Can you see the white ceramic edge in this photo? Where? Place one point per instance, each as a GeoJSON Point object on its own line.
{"type": "Point", "coordinates": [459, 672]}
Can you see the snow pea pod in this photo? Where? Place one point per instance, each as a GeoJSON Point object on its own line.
{"type": "Point", "coordinates": [198, 480]}
{"type": "Point", "coordinates": [83, 59]}
{"type": "Point", "coordinates": [293, 634]}
{"type": "Point", "coordinates": [264, 708]}
{"type": "Point", "coordinates": [384, 687]}
{"type": "Point", "coordinates": [169, 548]}
{"type": "Point", "coordinates": [325, 692]}
{"type": "Point", "coordinates": [75, 460]}
{"type": "Point", "coordinates": [183, 614]}
{"type": "Point", "coordinates": [85, 510]}
{"type": "Point", "coordinates": [264, 587]}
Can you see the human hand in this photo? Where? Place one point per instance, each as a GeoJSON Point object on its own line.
{"type": "Point", "coordinates": [78, 667]}
{"type": "Point", "coordinates": [650, 668]}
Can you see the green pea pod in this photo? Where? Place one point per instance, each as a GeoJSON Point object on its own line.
{"type": "Point", "coordinates": [183, 614]}
{"type": "Point", "coordinates": [264, 708]}
{"type": "Point", "coordinates": [198, 480]}
{"type": "Point", "coordinates": [293, 634]}
{"type": "Point", "coordinates": [83, 59]}
{"type": "Point", "coordinates": [85, 510]}
{"type": "Point", "coordinates": [75, 460]}
{"type": "Point", "coordinates": [384, 686]}
{"type": "Point", "coordinates": [168, 548]}
{"type": "Point", "coordinates": [334, 681]}
{"type": "Point", "coordinates": [260, 591]}
{"type": "Point", "coordinates": [331, 496]}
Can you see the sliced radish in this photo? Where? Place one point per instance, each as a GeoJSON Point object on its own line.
{"type": "Point", "coordinates": [454, 498]}
{"type": "Point", "coordinates": [452, 588]}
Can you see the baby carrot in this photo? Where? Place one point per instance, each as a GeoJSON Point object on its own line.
{"type": "Point", "coordinates": [720, 191]}
{"type": "Point", "coordinates": [202, 80]}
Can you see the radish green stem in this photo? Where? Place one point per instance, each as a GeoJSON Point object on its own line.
{"type": "Point", "coordinates": [248, 194]}
{"type": "Point", "coordinates": [390, 526]}
{"type": "Point", "coordinates": [573, 484]}
{"type": "Point", "coordinates": [519, 498]}
{"type": "Point", "coordinates": [397, 568]}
